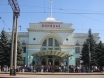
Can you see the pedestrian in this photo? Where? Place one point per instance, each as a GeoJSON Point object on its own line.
{"type": "Point", "coordinates": [0, 68]}
{"type": "Point", "coordinates": [53, 69]}
{"type": "Point", "coordinates": [6, 68]}
{"type": "Point", "coordinates": [42, 69]}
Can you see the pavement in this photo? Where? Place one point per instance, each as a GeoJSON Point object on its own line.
{"type": "Point", "coordinates": [53, 75]}
{"type": "Point", "coordinates": [50, 73]}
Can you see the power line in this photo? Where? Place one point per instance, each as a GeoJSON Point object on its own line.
{"type": "Point", "coordinates": [44, 5]}
{"type": "Point", "coordinates": [4, 23]}
{"type": "Point", "coordinates": [68, 13]}
{"type": "Point", "coordinates": [56, 8]}
{"type": "Point", "coordinates": [60, 12]}
{"type": "Point", "coordinates": [87, 16]}
{"type": "Point", "coordinates": [59, 8]}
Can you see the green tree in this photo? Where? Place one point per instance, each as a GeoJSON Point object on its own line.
{"type": "Point", "coordinates": [4, 50]}
{"type": "Point", "coordinates": [85, 54]}
{"type": "Point", "coordinates": [89, 46]}
{"type": "Point", "coordinates": [100, 53]}
{"type": "Point", "coordinates": [19, 53]}
{"type": "Point", "coordinates": [1, 52]}
{"type": "Point", "coordinates": [92, 44]}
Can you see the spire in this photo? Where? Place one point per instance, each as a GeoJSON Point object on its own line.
{"type": "Point", "coordinates": [51, 9]}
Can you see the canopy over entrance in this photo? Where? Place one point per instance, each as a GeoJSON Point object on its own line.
{"type": "Point", "coordinates": [59, 53]}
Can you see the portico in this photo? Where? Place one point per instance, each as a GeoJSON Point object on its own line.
{"type": "Point", "coordinates": [51, 57]}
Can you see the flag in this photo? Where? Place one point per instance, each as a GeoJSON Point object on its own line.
{"type": "Point", "coordinates": [51, 0]}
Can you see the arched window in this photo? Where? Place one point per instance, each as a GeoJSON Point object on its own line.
{"type": "Point", "coordinates": [77, 48]}
{"type": "Point", "coordinates": [56, 43]}
{"type": "Point", "coordinates": [45, 43]}
{"type": "Point", "coordinates": [50, 41]}
{"type": "Point", "coordinates": [50, 44]}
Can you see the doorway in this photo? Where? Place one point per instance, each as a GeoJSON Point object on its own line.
{"type": "Point", "coordinates": [50, 62]}
{"type": "Point", "coordinates": [56, 61]}
{"type": "Point", "coordinates": [43, 61]}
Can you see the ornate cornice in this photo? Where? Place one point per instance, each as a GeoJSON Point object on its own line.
{"type": "Point", "coordinates": [32, 46]}
{"type": "Point", "coordinates": [69, 46]}
{"type": "Point", "coordinates": [49, 30]}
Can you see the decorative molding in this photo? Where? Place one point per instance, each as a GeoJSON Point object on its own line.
{"type": "Point", "coordinates": [69, 46]}
{"type": "Point", "coordinates": [52, 35]}
{"type": "Point", "coordinates": [50, 30]}
{"type": "Point", "coordinates": [32, 46]}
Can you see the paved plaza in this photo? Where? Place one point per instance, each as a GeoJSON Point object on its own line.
{"type": "Point", "coordinates": [54, 75]}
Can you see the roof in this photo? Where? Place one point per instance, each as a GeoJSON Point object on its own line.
{"type": "Point", "coordinates": [52, 52]}
{"type": "Point", "coordinates": [50, 19]}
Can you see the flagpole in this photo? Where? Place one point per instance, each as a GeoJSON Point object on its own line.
{"type": "Point", "coordinates": [51, 9]}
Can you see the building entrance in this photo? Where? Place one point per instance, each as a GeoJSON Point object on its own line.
{"type": "Point", "coordinates": [43, 61]}
{"type": "Point", "coordinates": [50, 60]}
{"type": "Point", "coordinates": [51, 57]}
{"type": "Point", "coordinates": [56, 61]}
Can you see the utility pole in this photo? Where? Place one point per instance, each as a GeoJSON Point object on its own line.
{"type": "Point", "coordinates": [15, 52]}
{"type": "Point", "coordinates": [12, 46]}
{"type": "Point", "coordinates": [16, 12]}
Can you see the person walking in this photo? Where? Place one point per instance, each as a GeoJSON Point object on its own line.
{"type": "Point", "coordinates": [6, 68]}
{"type": "Point", "coordinates": [0, 68]}
{"type": "Point", "coordinates": [53, 67]}
{"type": "Point", "coordinates": [42, 67]}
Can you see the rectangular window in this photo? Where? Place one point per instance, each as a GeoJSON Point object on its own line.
{"type": "Point", "coordinates": [50, 42]}
{"type": "Point", "coordinates": [77, 61]}
{"type": "Point", "coordinates": [50, 49]}
{"type": "Point", "coordinates": [24, 49]}
{"type": "Point", "coordinates": [56, 48]}
{"type": "Point", "coordinates": [43, 48]}
{"type": "Point", "coordinates": [24, 60]}
{"type": "Point", "coordinates": [77, 49]}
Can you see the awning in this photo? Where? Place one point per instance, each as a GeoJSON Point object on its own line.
{"type": "Point", "coordinates": [52, 52]}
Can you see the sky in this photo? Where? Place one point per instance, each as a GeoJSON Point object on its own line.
{"type": "Point", "coordinates": [83, 14]}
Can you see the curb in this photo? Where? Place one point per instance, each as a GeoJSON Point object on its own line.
{"type": "Point", "coordinates": [28, 73]}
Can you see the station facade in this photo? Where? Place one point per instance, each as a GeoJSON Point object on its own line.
{"type": "Point", "coordinates": [52, 42]}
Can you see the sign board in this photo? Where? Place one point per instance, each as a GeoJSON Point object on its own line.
{"type": "Point", "coordinates": [51, 25]}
